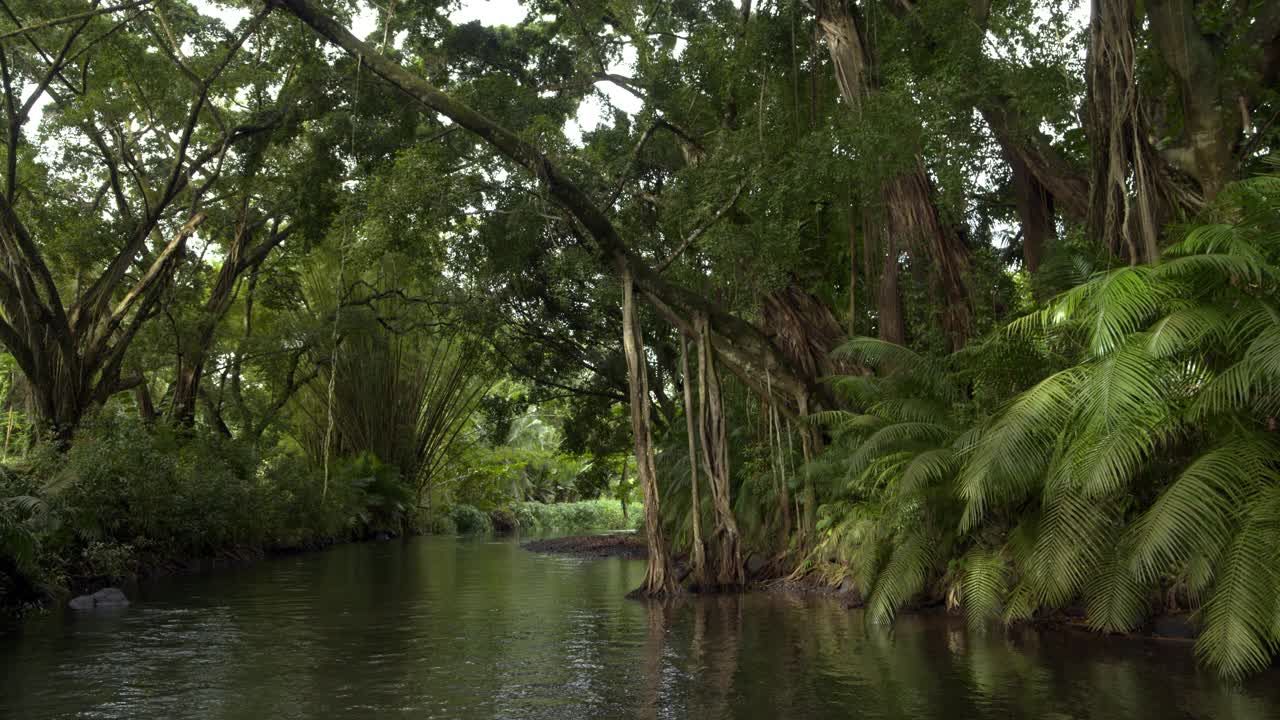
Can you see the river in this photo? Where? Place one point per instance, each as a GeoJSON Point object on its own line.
{"type": "Point", "coordinates": [438, 627]}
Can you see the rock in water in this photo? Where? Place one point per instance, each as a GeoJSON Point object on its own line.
{"type": "Point", "coordinates": [110, 597]}
{"type": "Point", "coordinates": [104, 598]}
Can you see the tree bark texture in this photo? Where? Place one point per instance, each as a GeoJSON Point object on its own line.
{"type": "Point", "coordinates": [658, 579]}
{"type": "Point", "coordinates": [715, 462]}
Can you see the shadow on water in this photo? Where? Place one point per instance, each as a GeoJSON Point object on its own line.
{"type": "Point", "coordinates": [442, 627]}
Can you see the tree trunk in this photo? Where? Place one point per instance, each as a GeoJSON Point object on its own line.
{"type": "Point", "coordinates": [1029, 152]}
{"type": "Point", "coordinates": [698, 554]}
{"type": "Point", "coordinates": [142, 396]}
{"type": "Point", "coordinates": [889, 297]}
{"type": "Point", "coordinates": [1035, 212]}
{"type": "Point", "coordinates": [853, 271]}
{"type": "Point", "coordinates": [908, 197]}
{"type": "Point", "coordinates": [912, 215]}
{"type": "Point", "coordinates": [658, 578]}
{"type": "Point", "coordinates": [1133, 191]}
{"type": "Point", "coordinates": [1211, 124]}
{"type": "Point", "coordinates": [715, 459]}
{"type": "Point", "coordinates": [239, 259]}
{"type": "Point", "coordinates": [804, 329]}
{"type": "Point", "coordinates": [780, 472]}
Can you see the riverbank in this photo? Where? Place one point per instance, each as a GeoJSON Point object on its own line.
{"type": "Point", "coordinates": [64, 568]}
{"type": "Point", "coordinates": [129, 501]}
{"type": "Point", "coordinates": [765, 578]}
{"type": "Point", "coordinates": [628, 545]}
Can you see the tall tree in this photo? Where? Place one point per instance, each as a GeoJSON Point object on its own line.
{"type": "Point", "coordinates": [154, 156]}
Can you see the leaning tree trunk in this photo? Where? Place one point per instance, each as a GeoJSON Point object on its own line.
{"type": "Point", "coordinates": [698, 556]}
{"type": "Point", "coordinates": [715, 459]}
{"type": "Point", "coordinates": [658, 577]}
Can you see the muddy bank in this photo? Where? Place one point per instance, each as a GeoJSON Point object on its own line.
{"type": "Point", "coordinates": [623, 545]}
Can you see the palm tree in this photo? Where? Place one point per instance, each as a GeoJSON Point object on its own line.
{"type": "Point", "coordinates": [1148, 464]}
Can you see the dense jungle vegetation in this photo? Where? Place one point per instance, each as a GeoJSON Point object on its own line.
{"type": "Point", "coordinates": [962, 302]}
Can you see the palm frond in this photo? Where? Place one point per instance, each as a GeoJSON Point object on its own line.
{"type": "Point", "coordinates": [1240, 615]}
{"type": "Point", "coordinates": [1199, 512]}
{"type": "Point", "coordinates": [985, 583]}
{"type": "Point", "coordinates": [902, 577]}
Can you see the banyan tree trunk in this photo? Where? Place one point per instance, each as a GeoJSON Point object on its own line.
{"type": "Point", "coordinates": [1133, 190]}
{"type": "Point", "coordinates": [889, 298]}
{"type": "Point", "coordinates": [912, 216]}
{"type": "Point", "coordinates": [804, 329]}
{"type": "Point", "coordinates": [658, 577]}
{"type": "Point", "coordinates": [715, 462]}
{"type": "Point", "coordinates": [1034, 204]}
{"type": "Point", "coordinates": [698, 555]}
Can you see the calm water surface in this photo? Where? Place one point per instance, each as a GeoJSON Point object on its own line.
{"type": "Point", "coordinates": [475, 628]}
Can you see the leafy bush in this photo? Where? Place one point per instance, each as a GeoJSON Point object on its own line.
{"type": "Point", "coordinates": [469, 519]}
{"type": "Point", "coordinates": [384, 498]}
{"type": "Point", "coordinates": [125, 496]}
{"type": "Point", "coordinates": [497, 476]}
{"type": "Point", "coordinates": [571, 517]}
{"type": "Point", "coordinates": [1133, 456]}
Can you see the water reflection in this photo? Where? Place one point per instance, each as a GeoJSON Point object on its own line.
{"type": "Point", "coordinates": [478, 628]}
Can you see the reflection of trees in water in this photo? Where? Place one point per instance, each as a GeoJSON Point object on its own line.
{"type": "Point", "coordinates": [655, 647]}
{"type": "Point", "coordinates": [1002, 669]}
{"type": "Point", "coordinates": [711, 657]}
{"type": "Point", "coordinates": [789, 656]}
{"type": "Point", "coordinates": [724, 612]}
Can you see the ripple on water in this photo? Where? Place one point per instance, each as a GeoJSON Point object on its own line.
{"type": "Point", "coordinates": [442, 627]}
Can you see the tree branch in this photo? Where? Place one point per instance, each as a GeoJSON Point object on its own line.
{"type": "Point", "coordinates": [72, 18]}
{"type": "Point", "coordinates": [698, 232]}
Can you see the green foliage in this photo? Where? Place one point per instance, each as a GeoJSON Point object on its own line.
{"type": "Point", "coordinates": [572, 516]}
{"type": "Point", "coordinates": [1115, 442]}
{"type": "Point", "coordinates": [127, 497]}
{"type": "Point", "coordinates": [494, 477]}
{"type": "Point", "coordinates": [387, 500]}
{"type": "Point", "coordinates": [1148, 464]}
{"type": "Point", "coordinates": [469, 519]}
{"type": "Point", "coordinates": [403, 400]}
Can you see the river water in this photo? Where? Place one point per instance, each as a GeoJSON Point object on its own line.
{"type": "Point", "coordinates": [439, 627]}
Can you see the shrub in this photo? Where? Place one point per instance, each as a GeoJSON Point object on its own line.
{"type": "Point", "coordinates": [469, 519]}
{"type": "Point", "coordinates": [126, 496]}
{"type": "Point", "coordinates": [570, 517]}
